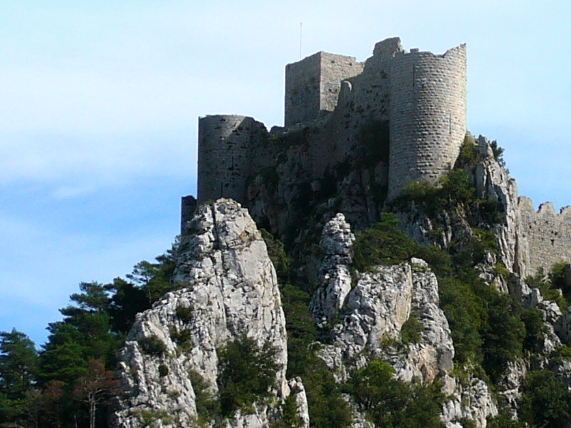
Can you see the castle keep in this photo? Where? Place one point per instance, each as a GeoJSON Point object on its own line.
{"type": "Point", "coordinates": [420, 95]}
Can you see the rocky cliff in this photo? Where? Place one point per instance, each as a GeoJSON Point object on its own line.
{"type": "Point", "coordinates": [445, 313]}
{"type": "Point", "coordinates": [227, 292]}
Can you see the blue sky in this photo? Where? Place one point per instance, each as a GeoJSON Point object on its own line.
{"type": "Point", "coordinates": [99, 104]}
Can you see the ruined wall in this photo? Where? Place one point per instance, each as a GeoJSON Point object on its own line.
{"type": "Point", "coordinates": [544, 236]}
{"type": "Point", "coordinates": [302, 91]}
{"type": "Point", "coordinates": [226, 148]}
{"type": "Point", "coordinates": [312, 85]}
{"type": "Point", "coordinates": [427, 115]}
{"type": "Point", "coordinates": [335, 69]}
{"type": "Point", "coordinates": [363, 103]}
{"type": "Point", "coordinates": [421, 95]}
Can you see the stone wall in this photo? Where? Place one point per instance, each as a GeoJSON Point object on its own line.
{"type": "Point", "coordinates": [343, 103]}
{"type": "Point", "coordinates": [335, 69]}
{"type": "Point", "coordinates": [544, 236]}
{"type": "Point", "coordinates": [226, 147]}
{"type": "Point", "coordinates": [312, 85]}
{"type": "Point", "coordinates": [302, 90]}
{"type": "Point", "coordinates": [427, 115]}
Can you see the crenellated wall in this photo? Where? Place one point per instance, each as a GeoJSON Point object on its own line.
{"type": "Point", "coordinates": [427, 115]}
{"type": "Point", "coordinates": [544, 235]}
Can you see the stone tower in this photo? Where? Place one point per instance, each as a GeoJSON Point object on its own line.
{"type": "Point", "coordinates": [312, 85]}
{"type": "Point", "coordinates": [226, 148]}
{"type": "Point", "coordinates": [427, 115]}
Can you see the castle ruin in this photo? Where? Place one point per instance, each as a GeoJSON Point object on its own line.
{"type": "Point", "coordinates": [422, 97]}
{"type": "Point", "coordinates": [405, 111]}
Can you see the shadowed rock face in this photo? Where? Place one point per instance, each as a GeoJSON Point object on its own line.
{"type": "Point", "coordinates": [226, 288]}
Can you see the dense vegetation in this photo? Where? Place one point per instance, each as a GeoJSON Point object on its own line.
{"type": "Point", "coordinates": [392, 403]}
{"type": "Point", "coordinates": [247, 373]}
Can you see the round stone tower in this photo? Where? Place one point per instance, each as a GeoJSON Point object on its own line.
{"type": "Point", "coordinates": [427, 115]}
{"type": "Point", "coordinates": [226, 144]}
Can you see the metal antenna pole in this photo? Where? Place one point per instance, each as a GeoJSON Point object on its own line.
{"type": "Point", "coordinates": [300, 26]}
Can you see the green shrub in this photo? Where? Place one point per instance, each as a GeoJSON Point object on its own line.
{"type": "Point", "coordinates": [465, 312]}
{"type": "Point", "coordinates": [152, 345]}
{"type": "Point", "coordinates": [184, 313]}
{"type": "Point", "coordinates": [163, 370]}
{"type": "Point", "coordinates": [390, 402]}
{"type": "Point", "coordinates": [207, 407]}
{"type": "Point", "coordinates": [469, 153]}
{"type": "Point", "coordinates": [562, 352]}
{"type": "Point", "coordinates": [534, 329]}
{"type": "Point", "coordinates": [498, 153]}
{"type": "Point", "coordinates": [545, 401]}
{"type": "Point", "coordinates": [148, 417]}
{"type": "Point", "coordinates": [503, 334]}
{"type": "Point", "coordinates": [382, 244]}
{"type": "Point", "coordinates": [411, 331]}
{"type": "Point", "coordinates": [327, 408]}
{"type": "Point", "coordinates": [504, 420]}
{"type": "Point", "coordinates": [467, 423]}
{"type": "Point", "coordinates": [182, 338]}
{"type": "Point", "coordinates": [290, 418]}
{"type": "Point", "coordinates": [550, 285]}
{"type": "Point", "coordinates": [386, 244]}
{"type": "Point", "coordinates": [277, 254]}
{"type": "Point", "coordinates": [247, 373]}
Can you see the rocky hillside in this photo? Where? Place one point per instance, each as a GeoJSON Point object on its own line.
{"type": "Point", "coordinates": [419, 311]}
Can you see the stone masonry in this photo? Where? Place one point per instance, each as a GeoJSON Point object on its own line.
{"type": "Point", "coordinates": [427, 115]}
{"type": "Point", "coordinates": [313, 85]}
{"type": "Point", "coordinates": [421, 95]}
{"type": "Point", "coordinates": [226, 144]}
{"type": "Point", "coordinates": [545, 236]}
{"type": "Point", "coordinates": [331, 101]}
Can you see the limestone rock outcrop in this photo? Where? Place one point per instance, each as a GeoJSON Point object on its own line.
{"type": "Point", "coordinates": [370, 321]}
{"type": "Point", "coordinates": [227, 290]}
{"type": "Point", "coordinates": [335, 270]}
{"type": "Point", "coordinates": [375, 312]}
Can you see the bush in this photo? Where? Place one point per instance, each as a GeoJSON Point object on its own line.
{"type": "Point", "coordinates": [550, 286]}
{"type": "Point", "coordinates": [504, 420]}
{"type": "Point", "coordinates": [498, 153]}
{"type": "Point", "coordinates": [545, 401]}
{"type": "Point", "coordinates": [464, 311]}
{"type": "Point", "coordinates": [562, 352]}
{"type": "Point", "coordinates": [277, 254]}
{"type": "Point", "coordinates": [290, 418]}
{"type": "Point", "coordinates": [534, 329]}
{"type": "Point", "coordinates": [411, 331]}
{"type": "Point", "coordinates": [390, 402]}
{"type": "Point", "coordinates": [382, 244]}
{"type": "Point", "coordinates": [207, 407]}
{"type": "Point", "coordinates": [327, 409]}
{"type": "Point", "coordinates": [184, 313]}
{"type": "Point", "coordinates": [152, 345]}
{"type": "Point", "coordinates": [182, 338]}
{"type": "Point", "coordinates": [247, 373]}
{"type": "Point", "coordinates": [163, 370]}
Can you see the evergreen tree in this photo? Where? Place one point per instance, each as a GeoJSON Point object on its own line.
{"type": "Point", "coordinates": [18, 367]}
